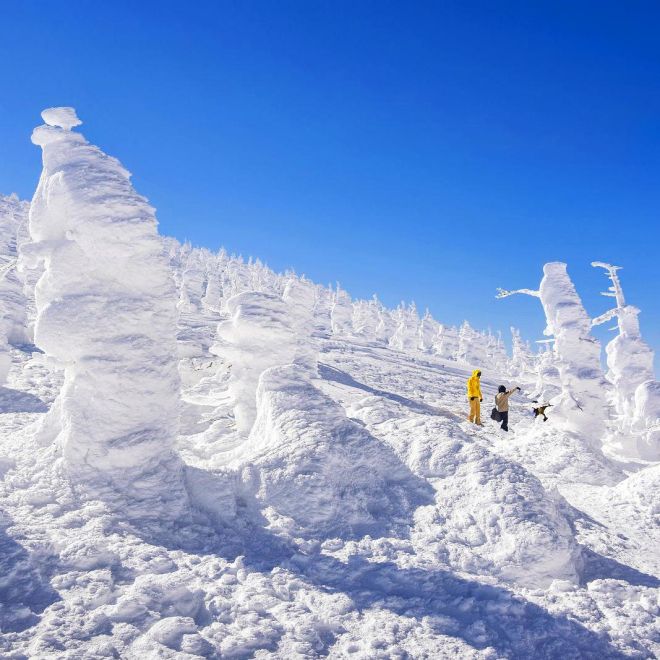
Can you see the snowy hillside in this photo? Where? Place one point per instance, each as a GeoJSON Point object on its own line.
{"type": "Point", "coordinates": [202, 458]}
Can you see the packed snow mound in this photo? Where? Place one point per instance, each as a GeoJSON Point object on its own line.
{"type": "Point", "coordinates": [321, 471]}
{"type": "Point", "coordinates": [490, 516]}
{"type": "Point", "coordinates": [106, 315]}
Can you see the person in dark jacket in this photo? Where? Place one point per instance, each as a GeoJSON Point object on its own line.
{"type": "Point", "coordinates": [502, 405]}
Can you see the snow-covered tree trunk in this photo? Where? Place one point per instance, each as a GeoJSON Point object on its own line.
{"type": "Point", "coordinates": [13, 216]}
{"type": "Point", "coordinates": [106, 314]}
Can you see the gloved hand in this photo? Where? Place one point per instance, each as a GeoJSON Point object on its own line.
{"type": "Point", "coordinates": [481, 400]}
{"type": "Point", "coordinates": [472, 398]}
{"type": "Point", "coordinates": [519, 390]}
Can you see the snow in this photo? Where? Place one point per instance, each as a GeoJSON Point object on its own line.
{"type": "Point", "coordinates": [305, 483]}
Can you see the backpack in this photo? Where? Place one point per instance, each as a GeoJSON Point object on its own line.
{"type": "Point", "coordinates": [495, 414]}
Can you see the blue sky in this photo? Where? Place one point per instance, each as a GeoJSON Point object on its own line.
{"type": "Point", "coordinates": [427, 151]}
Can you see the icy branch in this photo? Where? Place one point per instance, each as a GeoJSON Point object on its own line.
{"type": "Point", "coordinates": [504, 293]}
{"type": "Point", "coordinates": [604, 318]}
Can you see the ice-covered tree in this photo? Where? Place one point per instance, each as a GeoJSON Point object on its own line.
{"type": "Point", "coordinates": [629, 358]}
{"type": "Point", "coordinates": [522, 357]}
{"type": "Point", "coordinates": [366, 317]}
{"type": "Point", "coordinates": [258, 335]}
{"type": "Point", "coordinates": [428, 331]}
{"type": "Point", "coordinates": [106, 314]}
{"type": "Point", "coordinates": [445, 344]}
{"type": "Point", "coordinates": [341, 313]}
{"type": "Point", "coordinates": [405, 337]}
{"type": "Point", "coordinates": [13, 217]}
{"type": "Point", "coordinates": [583, 400]}
{"type": "Point", "coordinates": [471, 346]}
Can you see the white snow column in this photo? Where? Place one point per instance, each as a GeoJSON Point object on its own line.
{"type": "Point", "coordinates": [445, 344]}
{"type": "Point", "coordinates": [584, 389]}
{"type": "Point", "coordinates": [428, 331]}
{"type": "Point", "coordinates": [258, 335]}
{"type": "Point", "coordinates": [405, 337]}
{"type": "Point", "coordinates": [13, 217]}
{"type": "Point", "coordinates": [106, 314]}
{"type": "Point", "coordinates": [321, 472]}
{"type": "Point", "coordinates": [629, 361]}
{"type": "Point", "coordinates": [300, 297]}
{"type": "Point", "coordinates": [341, 313]}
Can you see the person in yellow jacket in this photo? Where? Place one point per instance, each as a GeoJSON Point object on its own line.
{"type": "Point", "coordinates": [474, 396]}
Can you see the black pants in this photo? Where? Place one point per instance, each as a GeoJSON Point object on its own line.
{"type": "Point", "coordinates": [505, 420]}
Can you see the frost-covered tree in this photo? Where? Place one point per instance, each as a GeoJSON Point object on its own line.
{"type": "Point", "coordinates": [471, 346]}
{"type": "Point", "coordinates": [406, 334]}
{"type": "Point", "coordinates": [300, 297]}
{"type": "Point", "coordinates": [13, 217]}
{"type": "Point", "coordinates": [428, 331]}
{"type": "Point", "coordinates": [522, 357]}
{"type": "Point", "coordinates": [583, 400]}
{"type": "Point", "coordinates": [386, 325]}
{"type": "Point", "coordinates": [629, 357]}
{"type": "Point", "coordinates": [366, 317]}
{"type": "Point", "coordinates": [341, 313]}
{"type": "Point", "coordinates": [106, 314]}
{"type": "Point", "coordinates": [258, 335]}
{"type": "Point", "coordinates": [445, 344]}
{"type": "Point", "coordinates": [496, 356]}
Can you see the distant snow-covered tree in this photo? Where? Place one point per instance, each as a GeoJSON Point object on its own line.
{"type": "Point", "coordinates": [341, 313]}
{"type": "Point", "coordinates": [428, 331]}
{"type": "Point", "coordinates": [406, 334]}
{"type": "Point", "coordinates": [446, 342]}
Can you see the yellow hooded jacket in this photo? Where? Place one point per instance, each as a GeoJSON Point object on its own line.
{"type": "Point", "coordinates": [474, 385]}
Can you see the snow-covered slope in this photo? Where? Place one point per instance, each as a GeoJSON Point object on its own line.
{"type": "Point", "coordinates": [307, 485]}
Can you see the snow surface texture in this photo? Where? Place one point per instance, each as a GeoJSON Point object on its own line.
{"type": "Point", "coordinates": [13, 304]}
{"type": "Point", "coordinates": [339, 502]}
{"type": "Point", "coordinates": [106, 315]}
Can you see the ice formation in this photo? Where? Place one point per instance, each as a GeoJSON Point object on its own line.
{"type": "Point", "coordinates": [106, 315]}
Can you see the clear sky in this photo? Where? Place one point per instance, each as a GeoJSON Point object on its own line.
{"type": "Point", "coordinates": [420, 150]}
